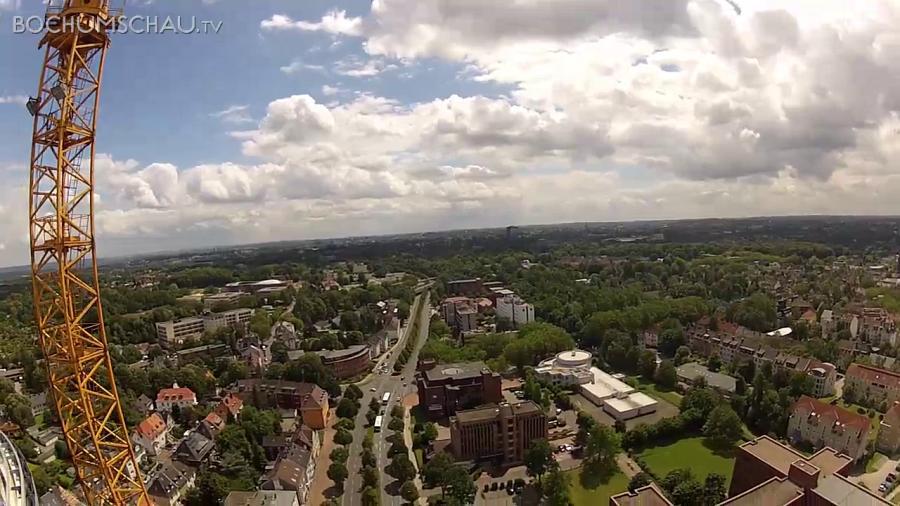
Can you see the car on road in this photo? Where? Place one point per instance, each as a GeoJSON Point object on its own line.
{"type": "Point", "coordinates": [890, 477]}
{"type": "Point", "coordinates": [373, 389]}
{"type": "Point", "coordinates": [494, 486]}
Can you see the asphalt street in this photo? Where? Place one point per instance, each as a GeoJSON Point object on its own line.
{"type": "Point", "coordinates": [375, 386]}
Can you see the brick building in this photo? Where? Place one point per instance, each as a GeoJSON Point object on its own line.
{"type": "Point", "coordinates": [308, 398]}
{"type": "Point", "coordinates": [769, 473]}
{"type": "Point", "coordinates": [888, 441]}
{"type": "Point", "coordinates": [466, 287]}
{"type": "Point", "coordinates": [444, 389]}
{"type": "Point", "coordinates": [501, 433]}
{"type": "Point", "coordinates": [649, 495]}
{"type": "Point", "coordinates": [347, 363]}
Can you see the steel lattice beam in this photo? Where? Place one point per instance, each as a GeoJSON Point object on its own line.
{"type": "Point", "coordinates": [65, 287]}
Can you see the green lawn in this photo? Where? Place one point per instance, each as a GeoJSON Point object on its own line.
{"type": "Point", "coordinates": [875, 462]}
{"type": "Point", "coordinates": [690, 452]}
{"type": "Point", "coordinates": [589, 490]}
{"type": "Point", "coordinates": [651, 389]}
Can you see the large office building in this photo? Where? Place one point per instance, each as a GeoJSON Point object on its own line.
{"type": "Point", "coordinates": [347, 363]}
{"type": "Point", "coordinates": [445, 389]}
{"type": "Point", "coordinates": [648, 495]}
{"type": "Point", "coordinates": [16, 485]}
{"type": "Point", "coordinates": [174, 333]}
{"type": "Point", "coordinates": [498, 432]}
{"type": "Point", "coordinates": [769, 473]}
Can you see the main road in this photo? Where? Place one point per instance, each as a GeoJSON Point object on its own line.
{"type": "Point", "coordinates": [374, 387]}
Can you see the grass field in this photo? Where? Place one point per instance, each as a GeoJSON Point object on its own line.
{"type": "Point", "coordinates": [651, 389]}
{"type": "Point", "coordinates": [693, 452]}
{"type": "Point", "coordinates": [588, 490]}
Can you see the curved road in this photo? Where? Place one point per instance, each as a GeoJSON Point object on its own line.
{"type": "Point", "coordinates": [398, 387]}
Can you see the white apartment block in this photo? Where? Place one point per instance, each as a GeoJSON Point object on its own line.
{"type": "Point", "coordinates": [174, 333]}
{"type": "Point", "coordinates": [824, 425]}
{"type": "Point", "coordinates": [514, 309]}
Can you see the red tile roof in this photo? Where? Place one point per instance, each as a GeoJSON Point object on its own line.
{"type": "Point", "coordinates": [152, 426]}
{"type": "Point", "coordinates": [833, 414]}
{"type": "Point", "coordinates": [230, 403]}
{"type": "Point", "coordinates": [215, 420]}
{"type": "Point", "coordinates": [176, 394]}
{"type": "Point", "coordinates": [874, 375]}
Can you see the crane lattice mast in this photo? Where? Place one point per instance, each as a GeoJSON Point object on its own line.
{"type": "Point", "coordinates": [65, 287]}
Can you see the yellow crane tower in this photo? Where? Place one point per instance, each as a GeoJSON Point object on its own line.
{"type": "Point", "coordinates": [65, 287]}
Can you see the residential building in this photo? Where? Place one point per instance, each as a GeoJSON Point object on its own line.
{"type": "Point", "coordinates": [871, 386]}
{"type": "Point", "coordinates": [444, 389]}
{"type": "Point", "coordinates": [174, 333]}
{"type": "Point", "coordinates": [167, 398]}
{"type": "Point", "coordinates": [466, 287]}
{"type": "Point", "coordinates": [460, 314]}
{"type": "Point", "coordinates": [877, 326]}
{"type": "Point", "coordinates": [735, 345]}
{"type": "Point", "coordinates": [567, 368]}
{"type": "Point", "coordinates": [347, 363]}
{"type": "Point", "coordinates": [650, 337]}
{"type": "Point", "coordinates": [648, 495]}
{"type": "Point", "coordinates": [143, 405]}
{"type": "Point", "coordinates": [769, 473]}
{"type": "Point", "coordinates": [230, 406]}
{"type": "Point", "coordinates": [499, 433]}
{"type": "Point", "coordinates": [263, 498]}
{"type": "Point", "coordinates": [58, 496]}
{"type": "Point", "coordinates": [515, 310]}
{"type": "Point", "coordinates": [212, 425]}
{"type": "Point", "coordinates": [170, 483]}
{"type": "Point", "coordinates": [194, 449]}
{"type": "Point", "coordinates": [151, 434]}
{"type": "Point", "coordinates": [209, 351]}
{"type": "Point", "coordinates": [308, 398]}
{"type": "Point", "coordinates": [824, 425]}
{"type": "Point", "coordinates": [294, 471]}
{"type": "Point", "coordinates": [888, 441]}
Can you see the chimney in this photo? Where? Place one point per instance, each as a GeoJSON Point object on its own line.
{"type": "Point", "coordinates": [803, 474]}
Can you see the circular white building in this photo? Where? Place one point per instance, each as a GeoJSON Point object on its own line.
{"type": "Point", "coordinates": [572, 367]}
{"type": "Point", "coordinates": [16, 484]}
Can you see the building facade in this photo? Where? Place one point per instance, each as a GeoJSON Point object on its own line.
{"type": "Point", "coordinates": [174, 333]}
{"type": "Point", "coordinates": [823, 425]}
{"type": "Point", "coordinates": [514, 309]}
{"type": "Point", "coordinates": [347, 363]}
{"type": "Point", "coordinates": [460, 314]}
{"type": "Point", "coordinates": [151, 434]}
{"type": "Point", "coordinates": [16, 484]}
{"type": "Point", "coordinates": [444, 389]}
{"type": "Point", "coordinates": [871, 386]}
{"type": "Point", "coordinates": [167, 398]}
{"type": "Point", "coordinates": [308, 398]}
{"type": "Point", "coordinates": [888, 441]}
{"type": "Point", "coordinates": [501, 433]}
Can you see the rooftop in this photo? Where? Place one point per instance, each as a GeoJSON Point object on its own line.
{"type": "Point", "coordinates": [721, 381]}
{"type": "Point", "coordinates": [836, 415]}
{"type": "Point", "coordinates": [649, 495]}
{"type": "Point", "coordinates": [774, 491]}
{"type": "Point", "coordinates": [456, 371]}
{"type": "Point", "coordinates": [874, 375]}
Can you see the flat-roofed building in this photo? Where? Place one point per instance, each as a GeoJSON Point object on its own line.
{"type": "Point", "coordinates": [511, 307]}
{"type": "Point", "coordinates": [616, 397]}
{"type": "Point", "coordinates": [219, 299]}
{"type": "Point", "coordinates": [649, 495]}
{"type": "Point", "coordinates": [769, 473]}
{"type": "Point", "coordinates": [16, 484]}
{"type": "Point", "coordinates": [444, 389]}
{"type": "Point", "coordinates": [824, 425]}
{"type": "Point", "coordinates": [497, 432]}
{"type": "Point", "coordinates": [467, 287]}
{"type": "Point", "coordinates": [889, 431]}
{"type": "Point", "coordinates": [567, 368]}
{"type": "Point", "coordinates": [347, 363]}
{"type": "Point", "coordinates": [688, 373]}
{"type": "Point", "coordinates": [174, 333]}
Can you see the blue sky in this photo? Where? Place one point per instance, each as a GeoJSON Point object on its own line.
{"type": "Point", "coordinates": [310, 119]}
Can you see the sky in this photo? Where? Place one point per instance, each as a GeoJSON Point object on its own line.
{"type": "Point", "coordinates": [310, 118]}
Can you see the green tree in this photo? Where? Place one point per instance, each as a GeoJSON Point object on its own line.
{"type": "Point", "coordinates": [370, 496]}
{"type": "Point", "coordinates": [337, 472]}
{"type": "Point", "coordinates": [639, 480]}
{"type": "Point", "coordinates": [402, 468]}
{"type": "Point", "coordinates": [647, 364]}
{"type": "Point", "coordinates": [459, 485]}
{"type": "Point", "coordinates": [603, 445]}
{"type": "Point", "coordinates": [347, 408]}
{"type": "Point", "coordinates": [714, 490]}
{"type": "Point", "coordinates": [555, 488]}
{"type": "Point", "coordinates": [538, 458]}
{"type": "Point", "coordinates": [340, 454]}
{"type": "Point", "coordinates": [436, 470]}
{"type": "Point", "coordinates": [409, 492]}
{"type": "Point", "coordinates": [343, 437]}
{"type": "Point", "coordinates": [353, 392]}
{"type": "Point", "coordinates": [723, 426]}
{"type": "Point", "coordinates": [666, 375]}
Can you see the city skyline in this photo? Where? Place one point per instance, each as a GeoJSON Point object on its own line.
{"type": "Point", "coordinates": [303, 121]}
